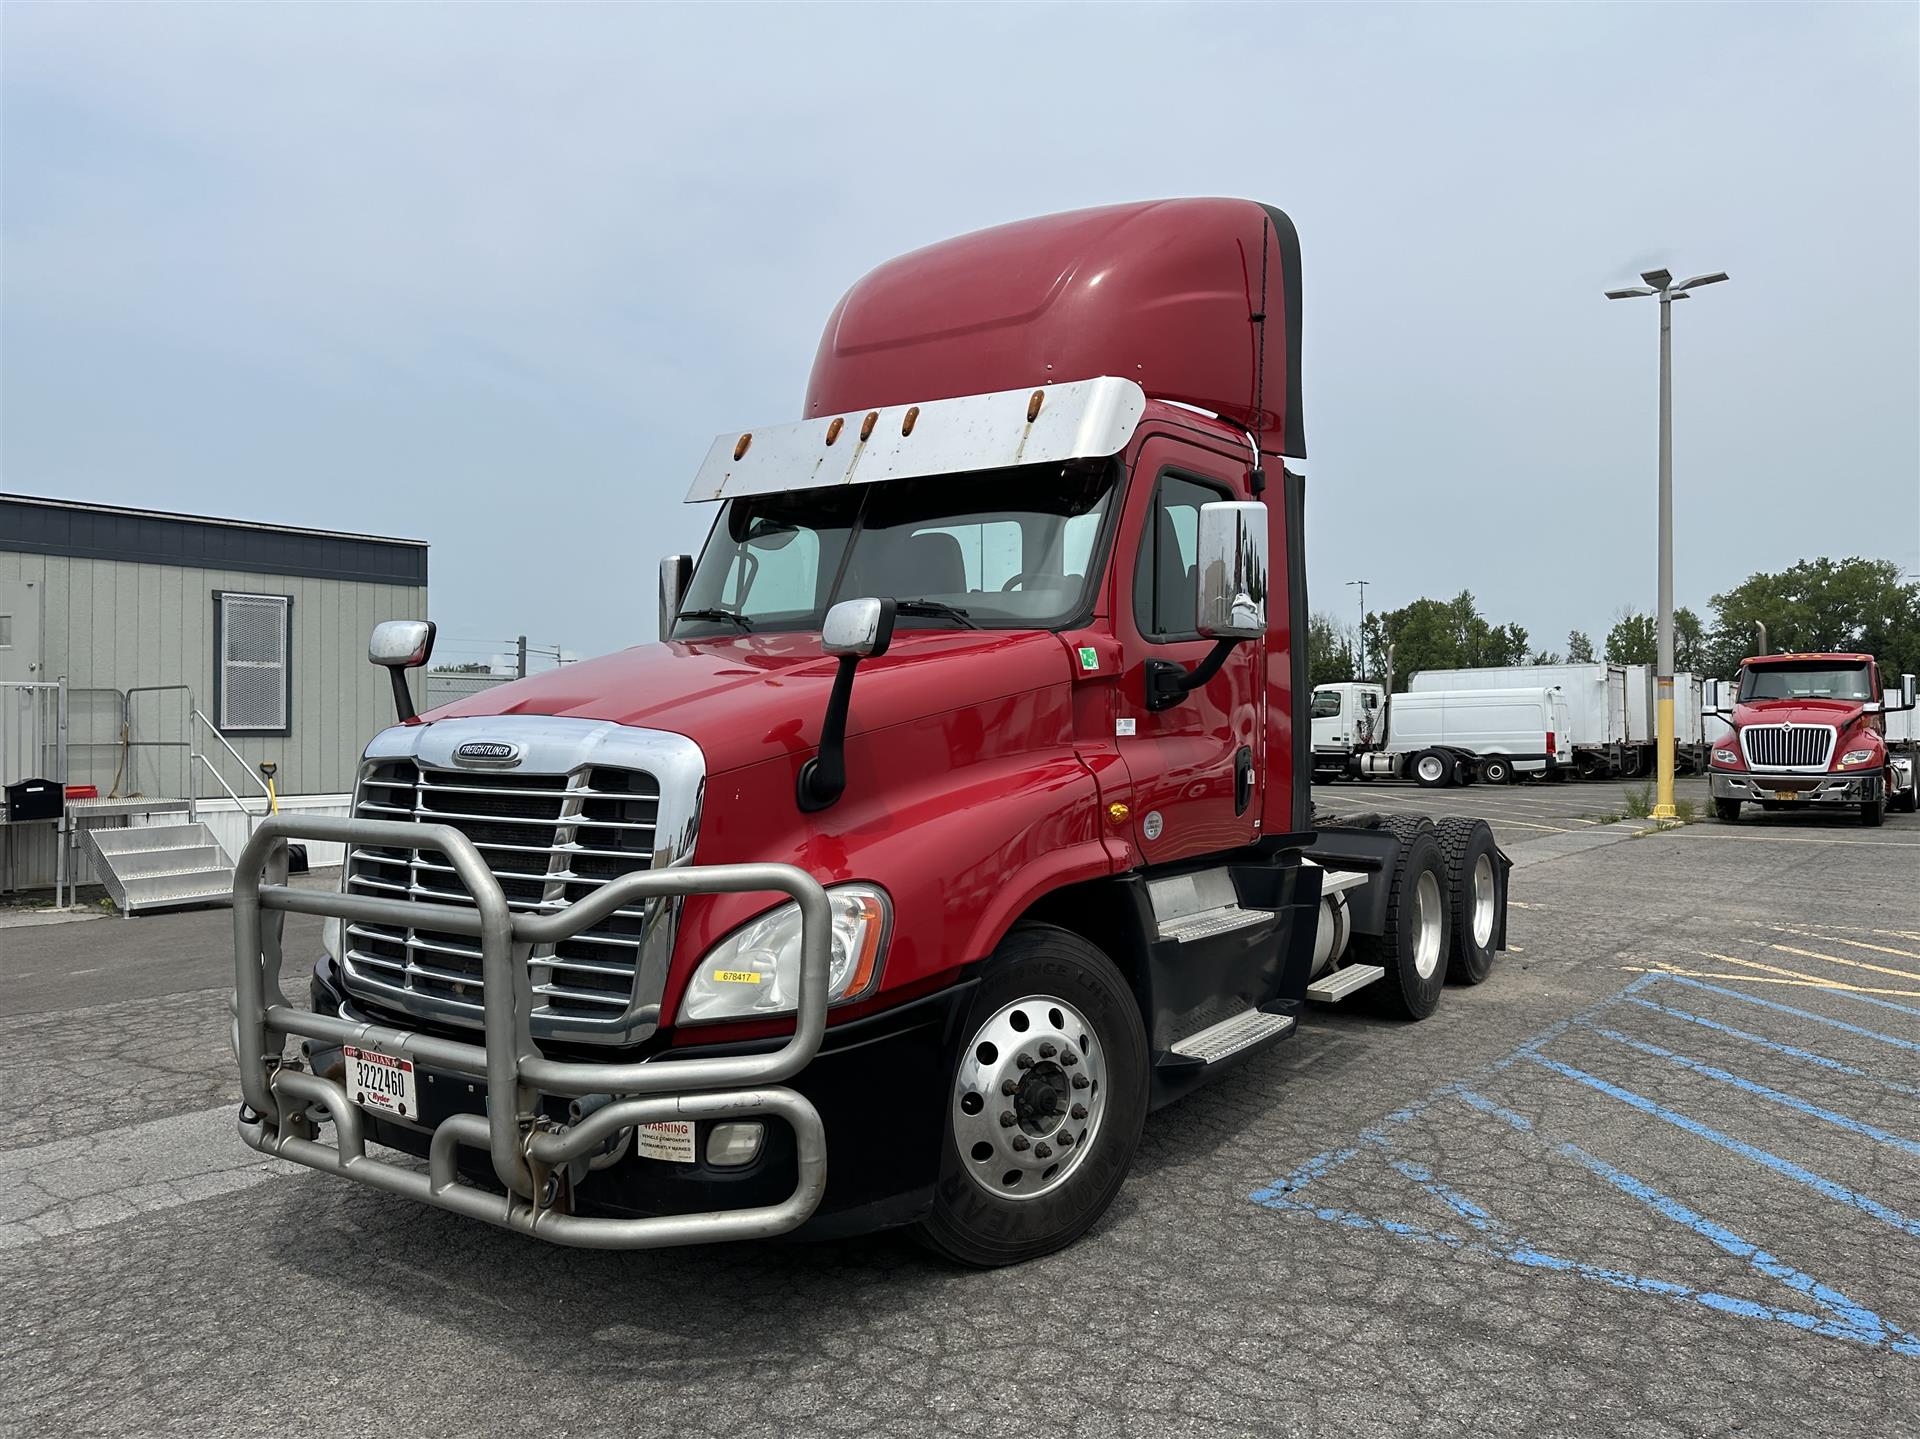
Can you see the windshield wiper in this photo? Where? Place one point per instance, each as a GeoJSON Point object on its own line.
{"type": "Point", "coordinates": [716, 614]}
{"type": "Point", "coordinates": [938, 608]}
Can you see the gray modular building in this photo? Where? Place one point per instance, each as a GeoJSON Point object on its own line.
{"type": "Point", "coordinates": [162, 658]}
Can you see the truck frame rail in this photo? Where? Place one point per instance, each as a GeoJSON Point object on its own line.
{"type": "Point", "coordinates": [530, 1154]}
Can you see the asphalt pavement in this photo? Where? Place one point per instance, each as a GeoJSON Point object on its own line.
{"type": "Point", "coordinates": [1660, 1175]}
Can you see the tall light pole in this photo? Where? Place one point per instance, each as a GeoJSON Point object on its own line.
{"type": "Point", "coordinates": [1660, 282]}
{"type": "Point", "coordinates": [1363, 627]}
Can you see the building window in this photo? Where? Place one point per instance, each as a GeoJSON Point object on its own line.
{"type": "Point", "coordinates": [253, 662]}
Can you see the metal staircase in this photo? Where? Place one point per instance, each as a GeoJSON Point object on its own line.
{"type": "Point", "coordinates": [161, 865]}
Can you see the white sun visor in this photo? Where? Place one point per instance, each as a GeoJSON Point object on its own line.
{"type": "Point", "coordinates": [1078, 420]}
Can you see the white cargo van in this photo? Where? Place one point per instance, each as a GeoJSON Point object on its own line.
{"type": "Point", "coordinates": [1596, 704]}
{"type": "Point", "coordinates": [1451, 736]}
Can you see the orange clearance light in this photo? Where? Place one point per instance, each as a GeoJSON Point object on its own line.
{"type": "Point", "coordinates": [833, 430]}
{"type": "Point", "coordinates": [866, 425]}
{"type": "Point", "coordinates": [1118, 813]}
{"type": "Point", "coordinates": [913, 414]}
{"type": "Point", "coordinates": [1038, 399]}
{"type": "Point", "coordinates": [740, 449]}
{"type": "Point", "coordinates": [869, 957]}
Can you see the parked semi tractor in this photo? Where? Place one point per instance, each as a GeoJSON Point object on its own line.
{"type": "Point", "coordinates": [1440, 737]}
{"type": "Point", "coordinates": [960, 818]}
{"type": "Point", "coordinates": [1811, 731]}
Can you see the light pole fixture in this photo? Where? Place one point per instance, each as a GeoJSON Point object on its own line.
{"type": "Point", "coordinates": [1363, 626]}
{"type": "Point", "coordinates": [1660, 283]}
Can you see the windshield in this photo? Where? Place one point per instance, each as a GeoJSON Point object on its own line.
{"type": "Point", "coordinates": [1805, 681]}
{"type": "Point", "coordinates": [1326, 704]}
{"type": "Point", "coordinates": [994, 549]}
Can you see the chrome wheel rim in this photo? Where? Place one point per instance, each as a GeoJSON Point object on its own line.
{"type": "Point", "coordinates": [1028, 1098]}
{"type": "Point", "coordinates": [1483, 901]}
{"type": "Point", "coordinates": [1427, 910]}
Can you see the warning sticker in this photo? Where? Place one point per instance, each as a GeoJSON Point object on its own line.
{"type": "Point", "coordinates": [670, 1139]}
{"type": "Point", "coordinates": [1089, 658]}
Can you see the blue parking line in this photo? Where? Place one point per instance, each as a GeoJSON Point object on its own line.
{"type": "Point", "coordinates": [1786, 1167]}
{"type": "Point", "coordinates": [1762, 1091]}
{"type": "Point", "coordinates": [1850, 1320]}
{"type": "Point", "coordinates": [1775, 1004]}
{"type": "Point", "coordinates": [1792, 1051]}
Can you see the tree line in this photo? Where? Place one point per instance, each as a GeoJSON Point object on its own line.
{"type": "Point", "coordinates": [1858, 605]}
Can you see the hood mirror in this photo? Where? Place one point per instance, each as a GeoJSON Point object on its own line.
{"type": "Point", "coordinates": [854, 630]}
{"type": "Point", "coordinates": [398, 646]}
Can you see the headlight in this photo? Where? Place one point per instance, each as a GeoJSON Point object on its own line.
{"type": "Point", "coordinates": [755, 971]}
{"type": "Point", "coordinates": [1856, 756]}
{"type": "Point", "coordinates": [1725, 756]}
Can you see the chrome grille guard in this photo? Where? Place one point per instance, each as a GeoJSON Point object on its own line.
{"type": "Point", "coordinates": [527, 1150]}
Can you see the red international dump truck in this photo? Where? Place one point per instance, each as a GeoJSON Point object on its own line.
{"type": "Point", "coordinates": [959, 819]}
{"type": "Point", "coordinates": [1809, 731]}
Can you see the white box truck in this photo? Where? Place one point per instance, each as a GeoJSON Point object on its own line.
{"type": "Point", "coordinates": [1691, 736]}
{"type": "Point", "coordinates": [1596, 704]}
{"type": "Point", "coordinates": [1441, 737]}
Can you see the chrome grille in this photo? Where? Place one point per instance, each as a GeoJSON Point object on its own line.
{"type": "Point", "coordinates": [550, 839]}
{"type": "Point", "coordinates": [1788, 746]}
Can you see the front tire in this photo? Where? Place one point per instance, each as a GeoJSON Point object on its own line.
{"type": "Point", "coordinates": [1036, 1151]}
{"type": "Point", "coordinates": [1727, 811]}
{"type": "Point", "coordinates": [1874, 814]}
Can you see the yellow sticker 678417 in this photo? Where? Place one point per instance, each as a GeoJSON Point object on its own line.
{"type": "Point", "coordinates": [737, 976]}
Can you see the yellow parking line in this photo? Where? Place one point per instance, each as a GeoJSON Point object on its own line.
{"type": "Point", "coordinates": [1836, 939]}
{"type": "Point", "coordinates": [1763, 979]}
{"type": "Point", "coordinates": [1849, 963]}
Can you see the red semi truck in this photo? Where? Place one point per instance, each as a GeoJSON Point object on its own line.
{"type": "Point", "coordinates": [1809, 731]}
{"type": "Point", "coordinates": [960, 817]}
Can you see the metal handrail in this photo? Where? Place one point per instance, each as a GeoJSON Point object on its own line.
{"type": "Point", "coordinates": [524, 1153]}
{"type": "Point", "coordinates": [196, 757]}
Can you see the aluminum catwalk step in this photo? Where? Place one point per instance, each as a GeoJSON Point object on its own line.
{"type": "Point", "coordinates": [1332, 988]}
{"type": "Point", "coordinates": [1217, 1041]}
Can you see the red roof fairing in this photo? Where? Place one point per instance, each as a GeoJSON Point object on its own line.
{"type": "Point", "coordinates": [1162, 293]}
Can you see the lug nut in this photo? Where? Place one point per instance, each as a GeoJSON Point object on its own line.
{"type": "Point", "coordinates": [1047, 1051]}
{"type": "Point", "coordinates": [1079, 1111]}
{"type": "Point", "coordinates": [1009, 1086]}
{"type": "Point", "coordinates": [1080, 1081]}
{"type": "Point", "coordinates": [1043, 1150]}
{"type": "Point", "coordinates": [1007, 1119]}
{"type": "Point", "coordinates": [1069, 1059]}
{"type": "Point", "coordinates": [1066, 1139]}
{"type": "Point", "coordinates": [1025, 1061]}
{"type": "Point", "coordinates": [1020, 1141]}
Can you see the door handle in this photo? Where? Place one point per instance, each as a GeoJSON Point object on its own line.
{"type": "Point", "coordinates": [1242, 780]}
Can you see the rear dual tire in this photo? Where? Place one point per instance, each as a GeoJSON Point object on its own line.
{"type": "Point", "coordinates": [1434, 769]}
{"type": "Point", "coordinates": [1476, 893]}
{"type": "Point", "coordinates": [1412, 944]}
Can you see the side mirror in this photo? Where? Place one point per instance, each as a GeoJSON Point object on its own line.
{"type": "Point", "coordinates": [1710, 696]}
{"type": "Point", "coordinates": [859, 629]}
{"type": "Point", "coordinates": [1230, 595]}
{"type": "Point", "coordinates": [854, 630]}
{"type": "Point", "coordinates": [676, 573]}
{"type": "Point", "coordinates": [399, 646]}
{"type": "Point", "coordinates": [1231, 570]}
{"type": "Point", "coordinates": [1907, 695]}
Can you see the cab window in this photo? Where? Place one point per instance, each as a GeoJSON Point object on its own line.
{"type": "Point", "coordinates": [1163, 598]}
{"type": "Point", "coordinates": [1326, 704]}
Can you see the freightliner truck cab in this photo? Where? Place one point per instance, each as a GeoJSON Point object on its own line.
{"type": "Point", "coordinates": [959, 818]}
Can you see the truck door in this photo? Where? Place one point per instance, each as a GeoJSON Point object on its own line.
{"type": "Point", "coordinates": [1198, 768]}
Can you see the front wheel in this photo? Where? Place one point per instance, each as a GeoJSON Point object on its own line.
{"type": "Point", "coordinates": [1727, 811]}
{"type": "Point", "coordinates": [1874, 813]}
{"type": "Point", "coordinates": [1046, 1102]}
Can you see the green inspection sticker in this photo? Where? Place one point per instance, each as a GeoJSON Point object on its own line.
{"type": "Point", "coordinates": [1089, 660]}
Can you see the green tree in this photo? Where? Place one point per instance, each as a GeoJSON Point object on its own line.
{"type": "Point", "coordinates": [1434, 634]}
{"type": "Point", "coordinates": [1635, 640]}
{"type": "Point", "coordinates": [1579, 648]}
{"type": "Point", "coordinates": [1331, 656]}
{"type": "Point", "coordinates": [1854, 605]}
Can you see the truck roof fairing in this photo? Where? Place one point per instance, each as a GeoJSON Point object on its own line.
{"type": "Point", "coordinates": [1176, 295]}
{"type": "Point", "coordinates": [1081, 420]}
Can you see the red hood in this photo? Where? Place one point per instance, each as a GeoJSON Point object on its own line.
{"type": "Point", "coordinates": [760, 696]}
{"type": "Point", "coordinates": [1798, 711]}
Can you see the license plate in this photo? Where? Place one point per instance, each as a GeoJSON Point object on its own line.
{"type": "Point", "coordinates": [1786, 794]}
{"type": "Point", "coordinates": [671, 1140]}
{"type": "Point", "coordinates": [383, 1083]}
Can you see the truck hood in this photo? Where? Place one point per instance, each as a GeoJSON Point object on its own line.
{"type": "Point", "coordinates": [757, 697]}
{"type": "Point", "coordinates": [1839, 713]}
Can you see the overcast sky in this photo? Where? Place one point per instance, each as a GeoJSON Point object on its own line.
{"type": "Point", "coordinates": [495, 277]}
